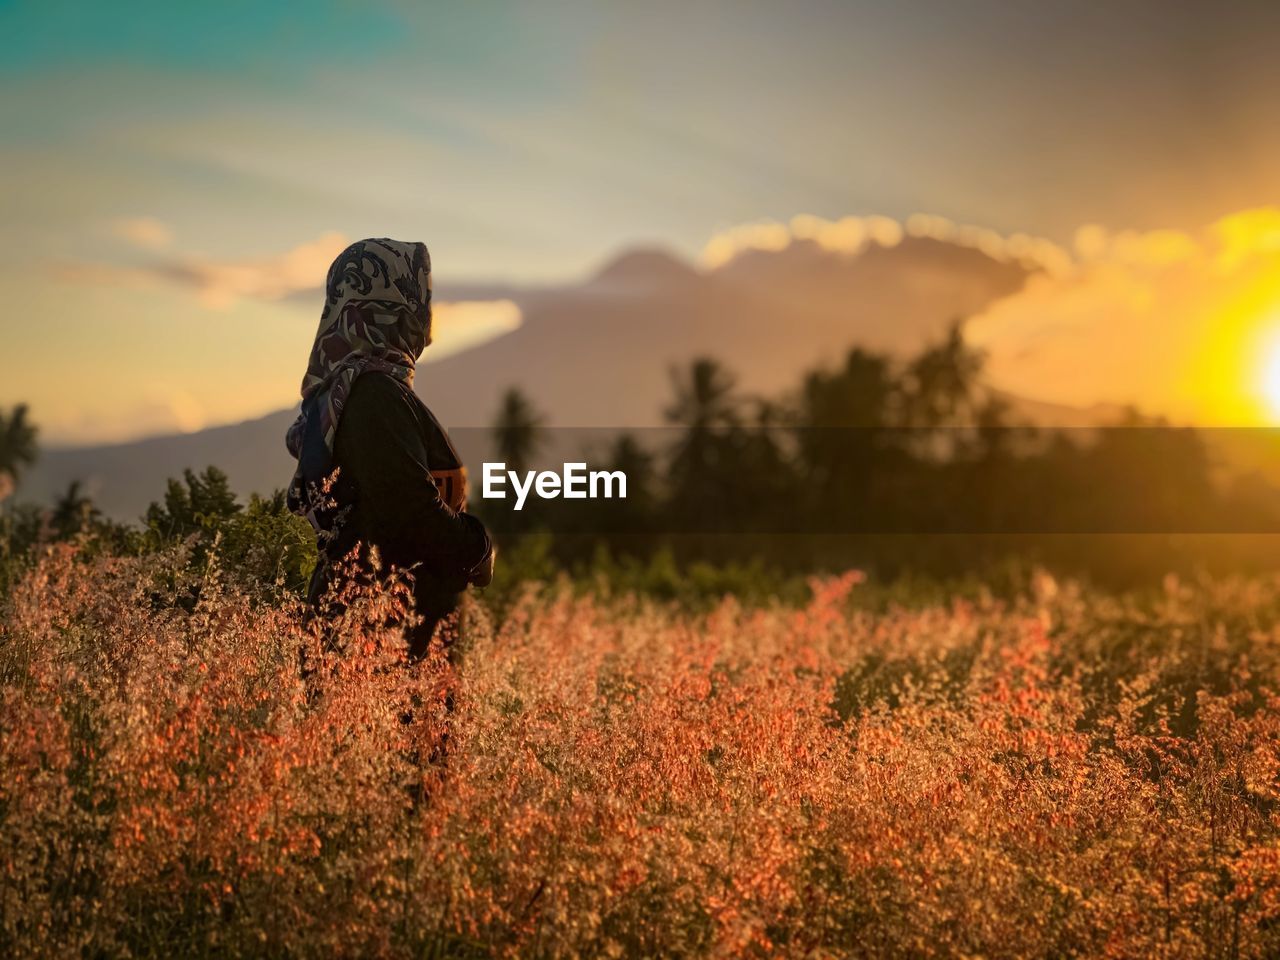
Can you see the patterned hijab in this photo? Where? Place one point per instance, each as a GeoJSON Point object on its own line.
{"type": "Point", "coordinates": [376, 317]}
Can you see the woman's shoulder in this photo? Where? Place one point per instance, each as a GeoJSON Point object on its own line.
{"type": "Point", "coordinates": [376, 389]}
{"type": "Point", "coordinates": [378, 402]}
{"type": "Point", "coordinates": [379, 394]}
{"type": "Point", "coordinates": [378, 399]}
{"type": "Point", "coordinates": [377, 383]}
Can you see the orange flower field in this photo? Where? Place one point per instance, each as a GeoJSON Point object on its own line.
{"type": "Point", "coordinates": [189, 770]}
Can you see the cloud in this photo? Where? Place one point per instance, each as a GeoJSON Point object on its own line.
{"type": "Point", "coordinates": [852, 234]}
{"type": "Point", "coordinates": [295, 274]}
{"type": "Point", "coordinates": [1182, 324]}
{"type": "Point", "coordinates": [849, 235]}
{"type": "Point", "coordinates": [145, 232]}
{"type": "Point", "coordinates": [221, 283]}
{"type": "Point", "coordinates": [1177, 322]}
{"type": "Point", "coordinates": [458, 326]}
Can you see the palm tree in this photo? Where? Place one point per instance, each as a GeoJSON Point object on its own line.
{"type": "Point", "coordinates": [516, 431]}
{"type": "Point", "coordinates": [17, 447]}
{"type": "Point", "coordinates": [703, 466]}
{"type": "Point", "coordinates": [704, 396]}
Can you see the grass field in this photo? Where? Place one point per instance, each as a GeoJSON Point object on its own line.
{"type": "Point", "coordinates": [1069, 774]}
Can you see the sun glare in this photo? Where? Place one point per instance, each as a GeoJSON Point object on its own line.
{"type": "Point", "coordinates": [1237, 366]}
{"type": "Point", "coordinates": [1271, 379]}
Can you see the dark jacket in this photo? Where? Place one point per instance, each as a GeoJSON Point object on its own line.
{"type": "Point", "coordinates": [386, 445]}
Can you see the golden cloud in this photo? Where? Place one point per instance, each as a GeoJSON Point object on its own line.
{"type": "Point", "coordinates": [221, 283]}
{"type": "Point", "coordinates": [467, 323]}
{"type": "Point", "coordinates": [851, 235]}
{"type": "Point", "coordinates": [1183, 324]}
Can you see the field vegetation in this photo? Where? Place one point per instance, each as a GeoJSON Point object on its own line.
{"type": "Point", "coordinates": [193, 767]}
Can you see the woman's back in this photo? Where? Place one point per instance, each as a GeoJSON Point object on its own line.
{"type": "Point", "coordinates": [367, 446]}
{"type": "Point", "coordinates": [383, 453]}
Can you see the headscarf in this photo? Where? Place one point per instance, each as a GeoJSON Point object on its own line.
{"type": "Point", "coordinates": [376, 317]}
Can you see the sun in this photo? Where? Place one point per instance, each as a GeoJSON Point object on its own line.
{"type": "Point", "coordinates": [1271, 378]}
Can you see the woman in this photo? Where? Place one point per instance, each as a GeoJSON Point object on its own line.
{"type": "Point", "coordinates": [372, 460]}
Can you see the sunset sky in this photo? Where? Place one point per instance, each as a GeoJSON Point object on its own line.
{"type": "Point", "coordinates": [177, 176]}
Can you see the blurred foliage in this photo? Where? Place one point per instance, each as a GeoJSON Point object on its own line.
{"type": "Point", "coordinates": [259, 541]}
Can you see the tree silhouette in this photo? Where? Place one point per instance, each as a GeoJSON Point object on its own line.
{"type": "Point", "coordinates": [704, 395]}
{"type": "Point", "coordinates": [846, 432]}
{"type": "Point", "coordinates": [995, 437]}
{"type": "Point", "coordinates": [517, 430]}
{"type": "Point", "coordinates": [942, 381]}
{"type": "Point", "coordinates": [17, 445]}
{"type": "Point", "coordinates": [704, 404]}
{"type": "Point", "coordinates": [761, 482]}
{"type": "Point", "coordinates": [73, 511]}
{"type": "Point", "coordinates": [862, 394]}
{"type": "Point", "coordinates": [701, 470]}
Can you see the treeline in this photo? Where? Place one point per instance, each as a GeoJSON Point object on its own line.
{"type": "Point", "coordinates": [900, 467]}
{"type": "Point", "coordinates": [200, 513]}
{"type": "Point", "coordinates": [258, 539]}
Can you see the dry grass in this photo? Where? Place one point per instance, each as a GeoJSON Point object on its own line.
{"type": "Point", "coordinates": [1067, 776]}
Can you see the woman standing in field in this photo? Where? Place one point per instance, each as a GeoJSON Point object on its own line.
{"type": "Point", "coordinates": [375, 468]}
